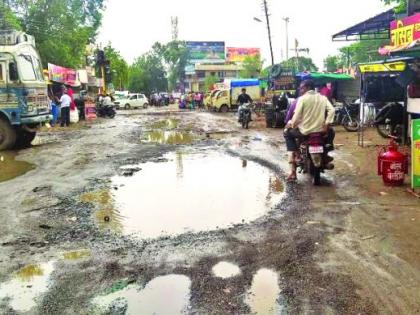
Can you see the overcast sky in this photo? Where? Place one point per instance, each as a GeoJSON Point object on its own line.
{"type": "Point", "coordinates": [133, 26]}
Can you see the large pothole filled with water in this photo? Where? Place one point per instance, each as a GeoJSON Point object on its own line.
{"type": "Point", "coordinates": [188, 193]}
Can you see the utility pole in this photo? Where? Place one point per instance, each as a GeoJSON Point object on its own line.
{"type": "Point", "coordinates": [287, 20]}
{"type": "Point", "coordinates": [269, 30]}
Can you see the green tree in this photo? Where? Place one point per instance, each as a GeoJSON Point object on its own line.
{"type": "Point", "coordinates": [8, 19]}
{"type": "Point", "coordinates": [147, 74]}
{"type": "Point", "coordinates": [299, 64]}
{"type": "Point", "coordinates": [209, 81]}
{"type": "Point", "coordinates": [175, 56]}
{"type": "Point", "coordinates": [251, 67]}
{"type": "Point", "coordinates": [400, 5]}
{"type": "Point", "coordinates": [332, 63]}
{"type": "Point", "coordinates": [119, 68]}
{"type": "Point", "coordinates": [362, 51]}
{"type": "Point", "coordinates": [61, 28]}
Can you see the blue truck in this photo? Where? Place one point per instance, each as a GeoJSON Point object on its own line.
{"type": "Point", "coordinates": [23, 90]}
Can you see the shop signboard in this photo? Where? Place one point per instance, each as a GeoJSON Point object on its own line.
{"type": "Point", "coordinates": [62, 75]}
{"type": "Point", "coordinates": [237, 54]}
{"type": "Point", "coordinates": [415, 153]}
{"type": "Point", "coordinates": [90, 110]}
{"type": "Point", "coordinates": [206, 52]}
{"type": "Point", "coordinates": [405, 33]}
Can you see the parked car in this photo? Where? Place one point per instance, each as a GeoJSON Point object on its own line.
{"type": "Point", "coordinates": [133, 101]}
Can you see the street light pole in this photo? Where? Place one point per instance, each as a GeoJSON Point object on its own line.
{"type": "Point", "coordinates": [287, 20]}
{"type": "Point", "coordinates": [269, 30]}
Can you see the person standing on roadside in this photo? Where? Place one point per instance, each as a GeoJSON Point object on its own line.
{"type": "Point", "coordinates": [65, 102]}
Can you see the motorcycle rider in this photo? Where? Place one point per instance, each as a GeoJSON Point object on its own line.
{"type": "Point", "coordinates": [309, 117]}
{"type": "Point", "coordinates": [243, 98]}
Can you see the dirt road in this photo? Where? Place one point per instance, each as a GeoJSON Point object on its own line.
{"type": "Point", "coordinates": [168, 212]}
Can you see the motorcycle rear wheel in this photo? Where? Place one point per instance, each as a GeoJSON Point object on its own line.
{"type": "Point", "coordinates": [386, 130]}
{"type": "Point", "coordinates": [350, 126]}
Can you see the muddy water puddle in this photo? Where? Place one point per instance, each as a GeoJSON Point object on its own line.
{"type": "Point", "coordinates": [225, 270]}
{"type": "Point", "coordinates": [170, 123]}
{"type": "Point", "coordinates": [170, 137]}
{"type": "Point", "coordinates": [11, 168]}
{"type": "Point", "coordinates": [190, 193]}
{"type": "Point", "coordinates": [264, 295]}
{"type": "Point", "coordinates": [163, 295]}
{"type": "Point", "coordinates": [26, 285]}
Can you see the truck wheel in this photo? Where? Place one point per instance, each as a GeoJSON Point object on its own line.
{"type": "Point", "coordinates": [7, 135]}
{"type": "Point", "coordinates": [24, 138]}
{"type": "Point", "coordinates": [224, 109]}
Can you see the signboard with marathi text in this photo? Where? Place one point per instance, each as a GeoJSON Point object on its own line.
{"type": "Point", "coordinates": [405, 33]}
{"type": "Point", "coordinates": [415, 153]}
{"type": "Point", "coordinates": [62, 75]}
{"type": "Point", "coordinates": [206, 52]}
{"type": "Point", "coordinates": [235, 54]}
{"type": "Point", "coordinates": [398, 66]}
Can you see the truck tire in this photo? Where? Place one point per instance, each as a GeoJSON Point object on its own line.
{"type": "Point", "coordinates": [7, 135]}
{"type": "Point", "coordinates": [24, 138]}
{"type": "Point", "coordinates": [224, 108]}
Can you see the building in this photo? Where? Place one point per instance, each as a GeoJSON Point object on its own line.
{"type": "Point", "coordinates": [196, 75]}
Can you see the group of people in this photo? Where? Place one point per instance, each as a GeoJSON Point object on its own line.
{"type": "Point", "coordinates": [191, 100]}
{"type": "Point", "coordinates": [61, 105]}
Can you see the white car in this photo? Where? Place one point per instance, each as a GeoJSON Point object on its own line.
{"type": "Point", "coordinates": [133, 101]}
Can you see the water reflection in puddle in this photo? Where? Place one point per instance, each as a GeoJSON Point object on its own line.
{"type": "Point", "coordinates": [193, 193]}
{"type": "Point", "coordinates": [170, 137]}
{"type": "Point", "coordinates": [264, 293]}
{"type": "Point", "coordinates": [226, 270]}
{"type": "Point", "coordinates": [169, 123]}
{"type": "Point", "coordinates": [28, 283]}
{"type": "Point", "coordinates": [163, 295]}
{"type": "Point", "coordinates": [11, 168]}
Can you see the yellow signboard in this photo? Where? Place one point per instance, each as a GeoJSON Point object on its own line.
{"type": "Point", "coordinates": [397, 66]}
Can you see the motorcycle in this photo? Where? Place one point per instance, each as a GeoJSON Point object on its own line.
{"type": "Point", "coordinates": [245, 115]}
{"type": "Point", "coordinates": [314, 157]}
{"type": "Point", "coordinates": [389, 120]}
{"type": "Point", "coordinates": [105, 111]}
{"type": "Point", "coordinates": [346, 115]}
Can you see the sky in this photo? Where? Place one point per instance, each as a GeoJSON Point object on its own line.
{"type": "Point", "coordinates": [132, 26]}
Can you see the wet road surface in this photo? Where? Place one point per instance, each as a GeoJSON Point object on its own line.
{"type": "Point", "coordinates": [167, 212]}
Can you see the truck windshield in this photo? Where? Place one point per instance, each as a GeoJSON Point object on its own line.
{"type": "Point", "coordinates": [30, 68]}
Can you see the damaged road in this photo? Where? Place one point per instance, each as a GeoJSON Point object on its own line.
{"type": "Point", "coordinates": [168, 212]}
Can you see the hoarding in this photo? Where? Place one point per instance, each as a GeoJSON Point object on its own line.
{"type": "Point", "coordinates": [62, 75]}
{"type": "Point", "coordinates": [415, 153]}
{"type": "Point", "coordinates": [206, 52]}
{"type": "Point", "coordinates": [236, 54]}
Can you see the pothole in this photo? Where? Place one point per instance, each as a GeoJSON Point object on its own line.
{"type": "Point", "coordinates": [264, 295]}
{"type": "Point", "coordinates": [11, 168]}
{"type": "Point", "coordinates": [26, 285]}
{"type": "Point", "coordinates": [163, 295]}
{"type": "Point", "coordinates": [192, 192]}
{"type": "Point", "coordinates": [226, 270]}
{"type": "Point", "coordinates": [170, 137]}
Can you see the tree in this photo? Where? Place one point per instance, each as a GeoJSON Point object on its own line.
{"type": "Point", "coordinates": [251, 67]}
{"type": "Point", "coordinates": [119, 68]}
{"type": "Point", "coordinates": [362, 51]}
{"type": "Point", "coordinates": [401, 5]}
{"type": "Point", "coordinates": [61, 28]}
{"type": "Point", "coordinates": [8, 19]}
{"type": "Point", "coordinates": [147, 74]}
{"type": "Point", "coordinates": [175, 56]}
{"type": "Point", "coordinates": [333, 63]}
{"type": "Point", "coordinates": [209, 81]}
{"type": "Point", "coordinates": [299, 64]}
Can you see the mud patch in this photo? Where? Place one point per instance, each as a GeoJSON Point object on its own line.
{"type": "Point", "coordinates": [26, 285]}
{"type": "Point", "coordinates": [169, 123]}
{"type": "Point", "coordinates": [76, 254]}
{"type": "Point", "coordinates": [226, 270]}
{"type": "Point", "coordinates": [264, 294]}
{"type": "Point", "coordinates": [11, 168]}
{"type": "Point", "coordinates": [163, 295]}
{"type": "Point", "coordinates": [193, 192]}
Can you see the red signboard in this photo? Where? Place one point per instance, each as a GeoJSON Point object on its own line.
{"type": "Point", "coordinates": [62, 75]}
{"type": "Point", "coordinates": [90, 110]}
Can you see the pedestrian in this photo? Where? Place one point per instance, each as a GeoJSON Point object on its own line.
{"type": "Point", "coordinates": [65, 102]}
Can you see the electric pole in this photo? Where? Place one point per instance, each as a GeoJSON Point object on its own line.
{"type": "Point", "coordinates": [287, 20]}
{"type": "Point", "coordinates": [269, 30]}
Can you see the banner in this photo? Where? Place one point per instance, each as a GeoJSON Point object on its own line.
{"type": "Point", "coordinates": [415, 153]}
{"type": "Point", "coordinates": [90, 110]}
{"type": "Point", "coordinates": [62, 75]}
{"type": "Point", "coordinates": [235, 54]}
{"type": "Point", "coordinates": [405, 34]}
{"type": "Point", "coordinates": [206, 52]}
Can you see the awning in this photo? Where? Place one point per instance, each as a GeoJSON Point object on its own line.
{"type": "Point", "coordinates": [324, 77]}
{"type": "Point", "coordinates": [376, 27]}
